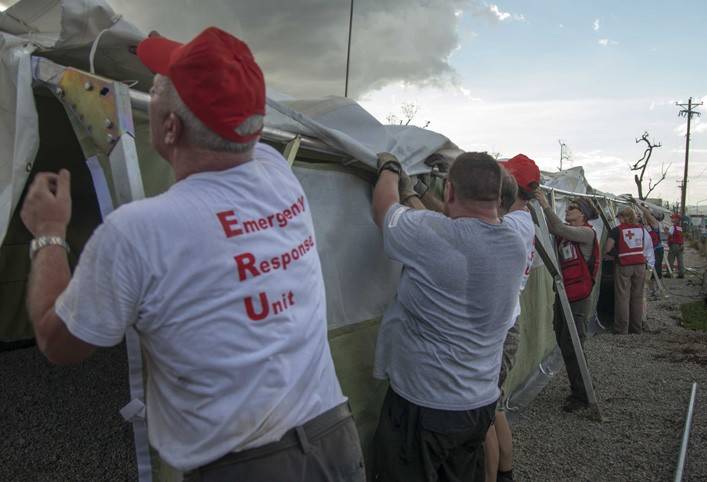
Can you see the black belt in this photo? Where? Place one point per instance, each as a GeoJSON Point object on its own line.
{"type": "Point", "coordinates": [298, 436]}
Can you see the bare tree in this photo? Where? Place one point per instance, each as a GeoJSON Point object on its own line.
{"type": "Point", "coordinates": [641, 165]}
{"type": "Point", "coordinates": [651, 186]}
{"type": "Point", "coordinates": [409, 110]}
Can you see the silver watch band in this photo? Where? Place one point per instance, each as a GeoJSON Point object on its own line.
{"type": "Point", "coordinates": [44, 241]}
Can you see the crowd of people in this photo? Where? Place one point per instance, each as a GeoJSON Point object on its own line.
{"type": "Point", "coordinates": [242, 385]}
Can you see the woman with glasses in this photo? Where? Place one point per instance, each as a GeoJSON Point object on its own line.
{"type": "Point", "coordinates": [579, 259]}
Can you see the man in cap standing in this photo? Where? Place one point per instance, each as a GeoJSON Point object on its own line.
{"type": "Point", "coordinates": [521, 181]}
{"type": "Point", "coordinates": [219, 276]}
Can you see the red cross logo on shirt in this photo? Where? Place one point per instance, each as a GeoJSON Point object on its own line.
{"type": "Point", "coordinates": [630, 235]}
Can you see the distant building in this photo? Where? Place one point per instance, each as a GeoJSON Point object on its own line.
{"type": "Point", "coordinates": [656, 201]}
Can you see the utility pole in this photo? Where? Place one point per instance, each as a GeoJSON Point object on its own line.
{"type": "Point", "coordinates": [564, 154]}
{"type": "Point", "coordinates": [348, 52]}
{"type": "Point", "coordinates": [687, 111]}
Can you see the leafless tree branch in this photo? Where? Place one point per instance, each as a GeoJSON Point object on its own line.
{"type": "Point", "coordinates": [663, 174]}
{"type": "Point", "coordinates": [641, 165]}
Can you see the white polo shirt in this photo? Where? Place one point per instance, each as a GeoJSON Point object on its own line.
{"type": "Point", "coordinates": [522, 222]}
{"type": "Point", "coordinates": [221, 278]}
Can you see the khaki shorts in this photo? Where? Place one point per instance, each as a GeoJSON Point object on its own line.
{"type": "Point", "coordinates": [510, 348]}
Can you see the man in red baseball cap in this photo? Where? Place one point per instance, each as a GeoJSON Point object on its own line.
{"type": "Point", "coordinates": [220, 277]}
{"type": "Point", "coordinates": [521, 180]}
{"type": "Point", "coordinates": [526, 174]}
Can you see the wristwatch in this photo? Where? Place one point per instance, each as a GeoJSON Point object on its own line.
{"type": "Point", "coordinates": [44, 241]}
{"type": "Point", "coordinates": [392, 166]}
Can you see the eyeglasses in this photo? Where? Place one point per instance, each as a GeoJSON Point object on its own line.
{"type": "Point", "coordinates": [572, 206]}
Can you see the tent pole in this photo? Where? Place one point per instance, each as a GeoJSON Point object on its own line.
{"type": "Point", "coordinates": [106, 130]}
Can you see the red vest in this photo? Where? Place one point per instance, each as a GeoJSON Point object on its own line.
{"type": "Point", "coordinates": [630, 244]}
{"type": "Point", "coordinates": [655, 237]}
{"type": "Point", "coordinates": [676, 237]}
{"type": "Point", "coordinates": [578, 274]}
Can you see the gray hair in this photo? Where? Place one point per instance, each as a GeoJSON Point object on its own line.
{"type": "Point", "coordinates": [196, 132]}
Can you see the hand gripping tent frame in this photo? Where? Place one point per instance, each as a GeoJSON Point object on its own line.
{"type": "Point", "coordinates": [66, 62]}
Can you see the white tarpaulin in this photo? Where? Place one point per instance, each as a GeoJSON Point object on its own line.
{"type": "Point", "coordinates": [19, 129]}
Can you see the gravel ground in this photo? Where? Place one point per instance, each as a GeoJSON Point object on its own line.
{"type": "Point", "coordinates": [643, 385]}
{"type": "Point", "coordinates": [62, 423]}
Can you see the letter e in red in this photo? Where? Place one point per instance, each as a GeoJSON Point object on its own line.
{"type": "Point", "coordinates": [228, 220]}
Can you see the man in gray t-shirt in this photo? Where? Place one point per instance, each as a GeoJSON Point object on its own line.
{"type": "Point", "coordinates": [441, 339]}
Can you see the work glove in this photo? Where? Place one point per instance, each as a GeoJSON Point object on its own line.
{"type": "Point", "coordinates": [405, 187]}
{"type": "Point", "coordinates": [387, 161]}
{"type": "Point", "coordinates": [438, 161]}
{"type": "Point", "coordinates": [422, 185]}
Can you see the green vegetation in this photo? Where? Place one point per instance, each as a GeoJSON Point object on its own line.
{"type": "Point", "coordinates": [694, 315]}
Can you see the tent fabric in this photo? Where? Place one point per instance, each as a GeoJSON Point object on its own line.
{"type": "Point", "coordinates": [360, 279]}
{"type": "Point", "coordinates": [19, 129]}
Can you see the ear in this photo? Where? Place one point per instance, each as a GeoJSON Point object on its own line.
{"type": "Point", "coordinates": [172, 128]}
{"type": "Point", "coordinates": [448, 192]}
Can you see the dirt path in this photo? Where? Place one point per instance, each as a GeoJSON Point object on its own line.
{"type": "Point", "coordinates": [643, 385]}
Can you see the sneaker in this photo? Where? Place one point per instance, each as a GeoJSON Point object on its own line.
{"type": "Point", "coordinates": [573, 404]}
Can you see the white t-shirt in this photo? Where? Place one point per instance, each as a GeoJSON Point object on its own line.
{"type": "Point", "coordinates": [221, 278]}
{"type": "Point", "coordinates": [648, 250]}
{"type": "Point", "coordinates": [522, 222]}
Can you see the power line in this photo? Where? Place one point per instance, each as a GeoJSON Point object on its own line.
{"type": "Point", "coordinates": [687, 111]}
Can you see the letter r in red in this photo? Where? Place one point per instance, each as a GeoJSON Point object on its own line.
{"type": "Point", "coordinates": [245, 263]}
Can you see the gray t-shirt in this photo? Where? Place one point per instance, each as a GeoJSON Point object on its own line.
{"type": "Point", "coordinates": [441, 339]}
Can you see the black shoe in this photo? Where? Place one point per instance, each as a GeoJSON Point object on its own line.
{"type": "Point", "coordinates": [505, 476]}
{"type": "Point", "coordinates": [681, 276]}
{"type": "Point", "coordinates": [573, 404]}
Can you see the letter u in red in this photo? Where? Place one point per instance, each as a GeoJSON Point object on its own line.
{"type": "Point", "coordinates": [264, 307]}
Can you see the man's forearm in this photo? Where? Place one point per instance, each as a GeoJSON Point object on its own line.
{"type": "Point", "coordinates": [648, 215]}
{"type": "Point", "coordinates": [432, 202]}
{"type": "Point", "coordinates": [48, 278]}
{"type": "Point", "coordinates": [385, 194]}
{"type": "Point", "coordinates": [414, 202]}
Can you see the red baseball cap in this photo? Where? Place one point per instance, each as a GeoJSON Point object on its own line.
{"type": "Point", "coordinates": [524, 170]}
{"type": "Point", "coordinates": [215, 75]}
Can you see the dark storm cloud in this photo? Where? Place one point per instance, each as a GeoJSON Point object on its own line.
{"type": "Point", "coordinates": [301, 44]}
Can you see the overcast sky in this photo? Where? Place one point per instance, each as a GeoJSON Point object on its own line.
{"type": "Point", "coordinates": [507, 76]}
